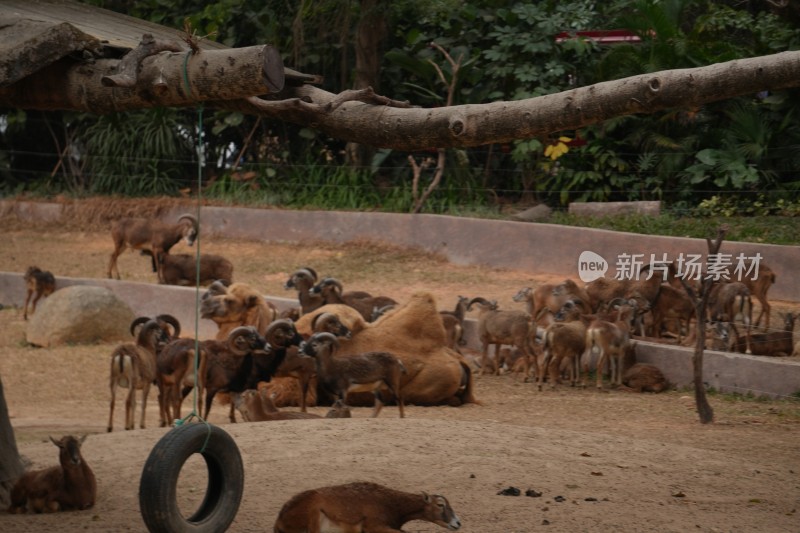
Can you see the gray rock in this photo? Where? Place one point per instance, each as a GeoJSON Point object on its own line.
{"type": "Point", "coordinates": [536, 213]}
{"type": "Point", "coordinates": [80, 315]}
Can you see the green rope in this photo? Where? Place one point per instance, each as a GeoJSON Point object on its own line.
{"type": "Point", "coordinates": [200, 164]}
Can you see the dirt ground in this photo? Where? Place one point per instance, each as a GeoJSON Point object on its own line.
{"type": "Point", "coordinates": [610, 461]}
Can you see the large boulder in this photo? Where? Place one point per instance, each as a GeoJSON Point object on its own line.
{"type": "Point", "coordinates": [80, 314]}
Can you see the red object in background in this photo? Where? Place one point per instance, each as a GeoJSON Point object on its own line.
{"type": "Point", "coordinates": [577, 141]}
{"type": "Point", "coordinates": [601, 36]}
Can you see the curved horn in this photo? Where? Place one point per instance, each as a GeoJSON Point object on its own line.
{"type": "Point", "coordinates": [283, 327]}
{"type": "Point", "coordinates": [477, 300]}
{"type": "Point", "coordinates": [320, 317]}
{"type": "Point", "coordinates": [190, 218]}
{"type": "Point", "coordinates": [138, 321]}
{"type": "Point", "coordinates": [172, 321]}
{"type": "Point", "coordinates": [147, 330]}
{"type": "Point", "coordinates": [332, 281]}
{"type": "Point", "coordinates": [235, 334]}
{"type": "Point", "coordinates": [326, 337]}
{"type": "Point", "coordinates": [311, 271]}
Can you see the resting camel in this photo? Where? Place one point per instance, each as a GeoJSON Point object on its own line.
{"type": "Point", "coordinates": [415, 333]}
{"type": "Point", "coordinates": [237, 305]}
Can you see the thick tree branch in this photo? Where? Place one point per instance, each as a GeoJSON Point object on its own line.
{"type": "Point", "coordinates": [477, 124]}
{"type": "Point", "coordinates": [129, 65]}
{"type": "Point", "coordinates": [232, 84]}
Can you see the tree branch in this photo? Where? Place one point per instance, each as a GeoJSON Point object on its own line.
{"type": "Point", "coordinates": [385, 122]}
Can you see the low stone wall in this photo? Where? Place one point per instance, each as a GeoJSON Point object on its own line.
{"type": "Point", "coordinates": [536, 247]}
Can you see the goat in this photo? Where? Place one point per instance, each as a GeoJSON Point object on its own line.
{"type": "Point", "coordinates": [548, 296]}
{"type": "Point", "coordinates": [360, 507]}
{"type": "Point", "coordinates": [673, 304]}
{"type": "Point", "coordinates": [38, 283]}
{"type": "Point", "coordinates": [365, 372]}
{"type": "Point", "coordinates": [771, 343]}
{"type": "Point", "coordinates": [603, 290]}
{"type": "Point", "coordinates": [330, 289]}
{"type": "Point", "coordinates": [304, 369]}
{"type": "Point", "coordinates": [181, 269]}
{"type": "Point", "coordinates": [564, 343]}
{"type": "Point", "coordinates": [152, 235]}
{"type": "Point", "coordinates": [69, 486]}
{"type": "Point", "coordinates": [643, 377]}
{"type": "Point", "coordinates": [612, 340]}
{"type": "Point", "coordinates": [174, 378]}
{"type": "Point", "coordinates": [133, 365]}
{"type": "Point", "coordinates": [454, 323]}
{"type": "Point", "coordinates": [728, 302]}
{"type": "Point", "coordinates": [254, 406]}
{"type": "Point", "coordinates": [245, 359]}
{"type": "Point", "coordinates": [758, 281]}
{"type": "Point", "coordinates": [303, 281]}
{"type": "Point", "coordinates": [502, 327]}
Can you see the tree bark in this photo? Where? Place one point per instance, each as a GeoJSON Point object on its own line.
{"type": "Point", "coordinates": [370, 31]}
{"type": "Point", "coordinates": [381, 123]}
{"type": "Point", "coordinates": [704, 409]}
{"type": "Point", "coordinates": [10, 462]}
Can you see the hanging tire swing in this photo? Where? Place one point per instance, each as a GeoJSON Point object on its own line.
{"type": "Point", "coordinates": [157, 488]}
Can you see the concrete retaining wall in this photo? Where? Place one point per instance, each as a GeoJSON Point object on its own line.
{"type": "Point", "coordinates": [540, 248]}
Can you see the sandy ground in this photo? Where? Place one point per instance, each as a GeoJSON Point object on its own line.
{"type": "Point", "coordinates": [610, 461]}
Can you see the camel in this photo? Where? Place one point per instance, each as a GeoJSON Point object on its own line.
{"type": "Point", "coordinates": [237, 305]}
{"type": "Point", "coordinates": [415, 333]}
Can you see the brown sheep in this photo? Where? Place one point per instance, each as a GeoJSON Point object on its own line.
{"type": "Point", "coordinates": [235, 306]}
{"type": "Point", "coordinates": [414, 332]}
{"type": "Point", "coordinates": [254, 406]}
{"type": "Point", "coordinates": [331, 291]}
{"type": "Point", "coordinates": [362, 507]}
{"type": "Point", "coordinates": [496, 327]}
{"type": "Point", "coordinates": [69, 486]}
{"type": "Point", "coordinates": [154, 236]}
{"type": "Point", "coordinates": [38, 283]}
{"type": "Point", "coordinates": [643, 377]}
{"type": "Point", "coordinates": [364, 372]}
{"type": "Point", "coordinates": [181, 269]}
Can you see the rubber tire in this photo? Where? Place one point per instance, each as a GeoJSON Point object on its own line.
{"type": "Point", "coordinates": [157, 488]}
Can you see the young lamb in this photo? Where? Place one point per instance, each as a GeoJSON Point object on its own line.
{"type": "Point", "coordinates": [69, 486]}
{"type": "Point", "coordinates": [773, 343]}
{"type": "Point", "coordinates": [255, 406]}
{"type": "Point", "coordinates": [38, 283]}
{"type": "Point", "coordinates": [362, 507]}
{"type": "Point", "coordinates": [643, 377]}
{"type": "Point", "coordinates": [366, 372]}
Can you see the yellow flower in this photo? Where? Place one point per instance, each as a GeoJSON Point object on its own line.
{"type": "Point", "coordinates": [556, 150]}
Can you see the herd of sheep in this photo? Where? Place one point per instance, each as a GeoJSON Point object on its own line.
{"type": "Point", "coordinates": [352, 348]}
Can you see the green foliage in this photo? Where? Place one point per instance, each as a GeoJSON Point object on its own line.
{"type": "Point", "coordinates": [774, 229]}
{"type": "Point", "coordinates": [143, 153]}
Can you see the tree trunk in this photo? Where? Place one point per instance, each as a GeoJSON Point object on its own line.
{"type": "Point", "coordinates": [10, 463]}
{"type": "Point", "coordinates": [700, 301]}
{"type": "Point", "coordinates": [370, 32]}
{"type": "Point", "coordinates": [363, 117]}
